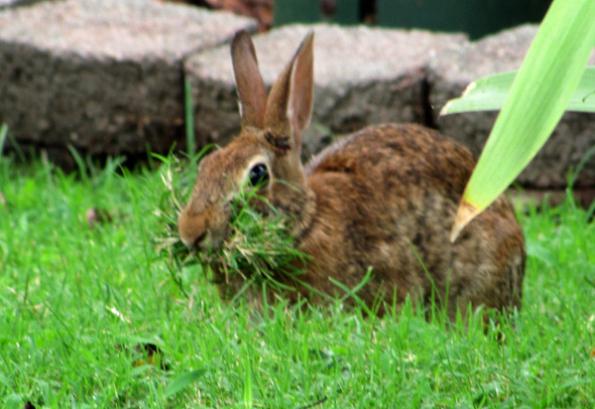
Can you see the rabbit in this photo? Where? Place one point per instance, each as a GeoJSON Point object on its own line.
{"type": "Point", "coordinates": [382, 199]}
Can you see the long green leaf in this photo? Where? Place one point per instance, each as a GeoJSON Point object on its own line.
{"type": "Point", "coordinates": [3, 133]}
{"type": "Point", "coordinates": [189, 119]}
{"type": "Point", "coordinates": [248, 389]}
{"type": "Point", "coordinates": [489, 94]}
{"type": "Point", "coordinates": [540, 93]}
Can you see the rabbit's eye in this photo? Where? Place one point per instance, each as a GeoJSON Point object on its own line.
{"type": "Point", "coordinates": [258, 174]}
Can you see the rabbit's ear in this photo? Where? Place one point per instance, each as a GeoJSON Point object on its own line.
{"type": "Point", "coordinates": [301, 85]}
{"type": "Point", "coordinates": [289, 105]}
{"type": "Point", "coordinates": [249, 83]}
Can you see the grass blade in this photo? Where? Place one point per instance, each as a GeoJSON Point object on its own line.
{"type": "Point", "coordinates": [3, 134]}
{"type": "Point", "coordinates": [248, 389]}
{"type": "Point", "coordinates": [83, 169]}
{"type": "Point", "coordinates": [183, 381]}
{"type": "Point", "coordinates": [538, 97]}
{"type": "Point", "coordinates": [489, 94]}
{"type": "Point", "coordinates": [189, 119]}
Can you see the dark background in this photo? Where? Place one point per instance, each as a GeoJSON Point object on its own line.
{"type": "Point", "coordinates": [475, 17]}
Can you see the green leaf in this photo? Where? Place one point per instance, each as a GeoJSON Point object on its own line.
{"type": "Point", "coordinates": [248, 389]}
{"type": "Point", "coordinates": [540, 93]}
{"type": "Point", "coordinates": [189, 119]}
{"type": "Point", "coordinates": [183, 381]}
{"type": "Point", "coordinates": [489, 94]}
{"type": "Point", "coordinates": [3, 133]}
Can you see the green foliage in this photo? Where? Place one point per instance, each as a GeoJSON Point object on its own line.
{"type": "Point", "coordinates": [3, 134]}
{"type": "Point", "coordinates": [489, 94]}
{"type": "Point", "coordinates": [189, 119]}
{"type": "Point", "coordinates": [540, 93]}
{"type": "Point", "coordinates": [259, 248]}
{"type": "Point", "coordinates": [76, 297]}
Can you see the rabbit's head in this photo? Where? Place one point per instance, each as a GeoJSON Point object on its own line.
{"type": "Point", "coordinates": [266, 151]}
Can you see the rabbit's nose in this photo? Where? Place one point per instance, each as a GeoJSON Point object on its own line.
{"type": "Point", "coordinates": [193, 242]}
{"type": "Point", "coordinates": [192, 230]}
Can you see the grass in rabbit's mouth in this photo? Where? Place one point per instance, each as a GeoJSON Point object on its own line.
{"type": "Point", "coordinates": [257, 248]}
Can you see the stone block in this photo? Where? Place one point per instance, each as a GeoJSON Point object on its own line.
{"type": "Point", "coordinates": [105, 76]}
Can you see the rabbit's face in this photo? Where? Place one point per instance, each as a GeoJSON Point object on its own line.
{"type": "Point", "coordinates": [245, 162]}
{"type": "Point", "coordinates": [266, 152]}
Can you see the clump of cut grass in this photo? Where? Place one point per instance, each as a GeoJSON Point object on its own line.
{"type": "Point", "coordinates": [259, 248]}
{"type": "Point", "coordinates": [178, 184]}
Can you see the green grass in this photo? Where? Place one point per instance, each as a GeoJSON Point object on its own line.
{"type": "Point", "coordinates": [78, 302]}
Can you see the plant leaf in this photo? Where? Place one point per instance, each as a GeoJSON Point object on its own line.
{"type": "Point", "coordinates": [189, 119]}
{"type": "Point", "coordinates": [489, 94]}
{"type": "Point", "coordinates": [3, 133]}
{"type": "Point", "coordinates": [540, 93]}
{"type": "Point", "coordinates": [182, 381]}
{"type": "Point", "coordinates": [248, 391]}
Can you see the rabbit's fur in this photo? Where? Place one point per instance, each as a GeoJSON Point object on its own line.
{"type": "Point", "coordinates": [383, 198]}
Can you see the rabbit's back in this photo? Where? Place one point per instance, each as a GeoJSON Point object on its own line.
{"type": "Point", "coordinates": [386, 198]}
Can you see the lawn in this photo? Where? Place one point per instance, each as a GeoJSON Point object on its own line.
{"type": "Point", "coordinates": [91, 315]}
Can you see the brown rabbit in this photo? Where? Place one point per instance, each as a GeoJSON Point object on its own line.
{"type": "Point", "coordinates": [382, 198]}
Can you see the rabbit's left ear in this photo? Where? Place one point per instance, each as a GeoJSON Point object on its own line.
{"type": "Point", "coordinates": [301, 85]}
{"type": "Point", "coordinates": [289, 106]}
{"type": "Point", "coordinates": [249, 83]}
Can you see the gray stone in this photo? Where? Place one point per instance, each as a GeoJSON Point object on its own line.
{"type": "Point", "coordinates": [362, 76]}
{"type": "Point", "coordinates": [453, 69]}
{"type": "Point", "coordinates": [102, 75]}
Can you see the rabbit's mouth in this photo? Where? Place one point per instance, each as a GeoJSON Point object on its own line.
{"type": "Point", "coordinates": [216, 240]}
{"type": "Point", "coordinates": [198, 231]}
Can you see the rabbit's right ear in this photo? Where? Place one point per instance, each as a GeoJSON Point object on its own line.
{"type": "Point", "coordinates": [289, 105]}
{"type": "Point", "coordinates": [249, 83]}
